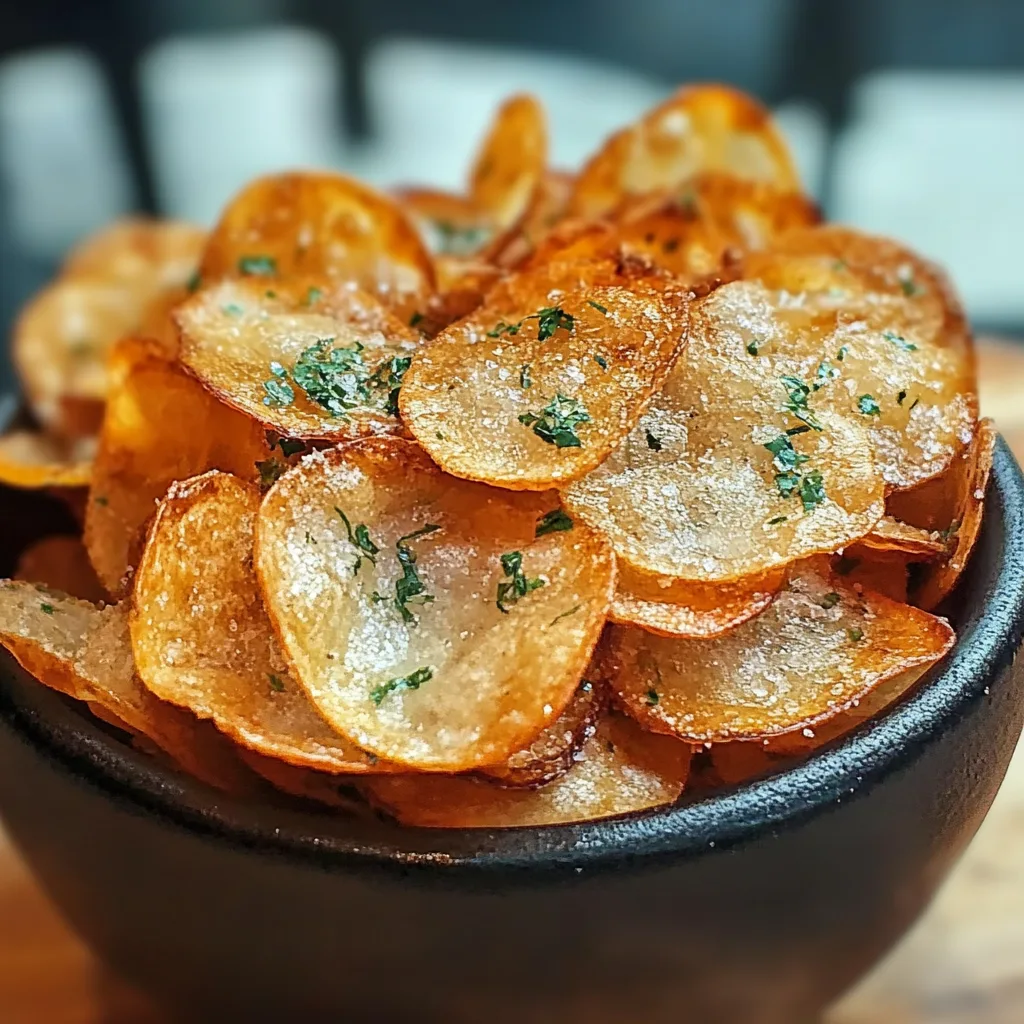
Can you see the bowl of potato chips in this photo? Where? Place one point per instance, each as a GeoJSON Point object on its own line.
{"type": "Point", "coordinates": [590, 594]}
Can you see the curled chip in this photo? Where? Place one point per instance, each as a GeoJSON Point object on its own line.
{"type": "Point", "coordinates": [307, 783]}
{"type": "Point", "coordinates": [509, 169]}
{"type": "Point", "coordinates": [321, 226]}
{"type": "Point", "coordinates": [700, 228]}
{"type": "Point", "coordinates": [31, 459]}
{"type": "Point", "coordinates": [554, 750]}
{"type": "Point", "coordinates": [61, 563]}
{"type": "Point", "coordinates": [85, 652]}
{"type": "Point", "coordinates": [202, 639]}
{"type": "Point", "coordinates": [160, 425]}
{"type": "Point", "coordinates": [620, 769]}
{"type": "Point", "coordinates": [538, 385]}
{"type": "Point", "coordinates": [696, 610]}
{"type": "Point", "coordinates": [511, 248]}
{"type": "Point", "coordinates": [700, 128]}
{"type": "Point", "coordinates": [890, 534]}
{"type": "Point", "coordinates": [960, 494]}
{"type": "Point", "coordinates": [422, 614]}
{"type": "Point", "coordinates": [326, 368]}
{"type": "Point", "coordinates": [451, 224]}
{"type": "Point", "coordinates": [817, 648]}
{"type": "Point", "coordinates": [733, 471]}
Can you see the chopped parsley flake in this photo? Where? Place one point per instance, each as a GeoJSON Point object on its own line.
{"type": "Point", "coordinates": [47, 609]}
{"type": "Point", "coordinates": [830, 600]}
{"type": "Point", "coordinates": [194, 281]}
{"type": "Point", "coordinates": [524, 376]}
{"type": "Point", "coordinates": [901, 397]}
{"type": "Point", "coordinates": [270, 471]}
{"type": "Point", "coordinates": [388, 376]}
{"type": "Point", "coordinates": [812, 491]}
{"type": "Point", "coordinates": [565, 615]}
{"type": "Point", "coordinates": [652, 698]}
{"type": "Point", "coordinates": [257, 266]}
{"type": "Point", "coordinates": [825, 372]}
{"type": "Point", "coordinates": [102, 500]}
{"type": "Point", "coordinates": [556, 423]}
{"type": "Point", "coordinates": [868, 406]}
{"type": "Point", "coordinates": [411, 589]}
{"type": "Point", "coordinates": [549, 320]}
{"type": "Point", "coordinates": [601, 361]}
{"type": "Point", "coordinates": [855, 633]}
{"type": "Point", "coordinates": [279, 391]}
{"type": "Point", "coordinates": [232, 309]}
{"type": "Point", "coordinates": [555, 521]}
{"type": "Point", "coordinates": [797, 393]}
{"type": "Point", "coordinates": [913, 404]}
{"type": "Point", "coordinates": [597, 306]}
{"type": "Point", "coordinates": [899, 342]}
{"type": "Point", "coordinates": [359, 538]}
{"type": "Point", "coordinates": [413, 681]}
{"type": "Point", "coordinates": [841, 354]}
{"type": "Point", "coordinates": [776, 520]}
{"type": "Point", "coordinates": [785, 456]}
{"type": "Point", "coordinates": [752, 348]}
{"type": "Point", "coordinates": [276, 684]}
{"type": "Point", "coordinates": [459, 240]}
{"type": "Point", "coordinates": [335, 378]}
{"type": "Point", "coordinates": [654, 443]}
{"type": "Point", "coordinates": [501, 328]}
{"type": "Point", "coordinates": [416, 318]}
{"type": "Point", "coordinates": [313, 295]}
{"type": "Point", "coordinates": [516, 584]}
{"type": "Point", "coordinates": [907, 282]}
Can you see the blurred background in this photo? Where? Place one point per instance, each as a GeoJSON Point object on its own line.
{"type": "Point", "coordinates": [907, 116]}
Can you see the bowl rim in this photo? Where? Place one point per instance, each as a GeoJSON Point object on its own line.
{"type": "Point", "coordinates": [845, 770]}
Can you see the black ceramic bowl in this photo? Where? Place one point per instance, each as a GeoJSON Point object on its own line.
{"type": "Point", "coordinates": [756, 906]}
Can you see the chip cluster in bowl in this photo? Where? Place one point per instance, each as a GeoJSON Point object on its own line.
{"type": "Point", "coordinates": [562, 498]}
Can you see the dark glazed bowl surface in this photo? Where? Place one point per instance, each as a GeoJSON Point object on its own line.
{"type": "Point", "coordinates": [758, 905]}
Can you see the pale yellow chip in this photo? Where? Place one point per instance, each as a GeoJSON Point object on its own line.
{"type": "Point", "coordinates": [326, 368]}
{"type": "Point", "coordinates": [962, 493]}
{"type": "Point", "coordinates": [620, 770]}
{"type": "Point", "coordinates": [538, 385]}
{"type": "Point", "coordinates": [889, 534]}
{"type": "Point", "coordinates": [161, 425]}
{"type": "Point", "coordinates": [700, 128]}
{"type": "Point", "coordinates": [321, 226]}
{"type": "Point", "coordinates": [422, 614]}
{"type": "Point", "coordinates": [554, 751]}
{"type": "Point", "coordinates": [696, 493]}
{"type": "Point", "coordinates": [697, 610]}
{"type": "Point", "coordinates": [509, 169]}
{"type": "Point", "coordinates": [32, 459]}
{"type": "Point", "coordinates": [820, 646]}
{"type": "Point", "coordinates": [61, 563]}
{"type": "Point", "coordinates": [202, 639]}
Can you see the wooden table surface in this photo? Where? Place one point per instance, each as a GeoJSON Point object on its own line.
{"type": "Point", "coordinates": [962, 964]}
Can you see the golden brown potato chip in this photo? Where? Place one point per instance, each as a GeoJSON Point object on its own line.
{"type": "Point", "coordinates": [733, 471]}
{"type": "Point", "coordinates": [321, 226]}
{"type": "Point", "coordinates": [161, 425]}
{"type": "Point", "coordinates": [326, 368]}
{"type": "Point", "coordinates": [820, 646]}
{"type": "Point", "coordinates": [462, 285]}
{"type": "Point", "coordinates": [620, 770]}
{"type": "Point", "coordinates": [538, 385]}
{"type": "Point", "coordinates": [968, 479]}
{"type": "Point", "coordinates": [512, 247]}
{"type": "Point", "coordinates": [61, 563]}
{"type": "Point", "coordinates": [733, 764]}
{"type": "Point", "coordinates": [697, 610]}
{"type": "Point", "coordinates": [554, 751]}
{"type": "Point", "coordinates": [889, 534]}
{"type": "Point", "coordinates": [451, 224]}
{"type": "Point", "coordinates": [202, 639]}
{"type": "Point", "coordinates": [31, 459]}
{"type": "Point", "coordinates": [695, 231]}
{"type": "Point", "coordinates": [151, 256]}
{"type": "Point", "coordinates": [700, 128]}
{"type": "Point", "coordinates": [509, 168]}
{"type": "Point", "coordinates": [423, 615]}
{"type": "Point", "coordinates": [886, 572]}
{"type": "Point", "coordinates": [307, 783]}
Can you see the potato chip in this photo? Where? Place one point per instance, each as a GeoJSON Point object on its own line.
{"type": "Point", "coordinates": [321, 226]}
{"type": "Point", "coordinates": [700, 128]}
{"type": "Point", "coordinates": [620, 770]}
{"type": "Point", "coordinates": [695, 231]}
{"type": "Point", "coordinates": [328, 368]}
{"type": "Point", "coordinates": [696, 610]}
{"type": "Point", "coordinates": [425, 618]}
{"type": "Point", "coordinates": [150, 256]}
{"type": "Point", "coordinates": [886, 572]}
{"type": "Point", "coordinates": [61, 563]}
{"type": "Point", "coordinates": [817, 648]}
{"type": "Point", "coordinates": [202, 639]}
{"type": "Point", "coordinates": [732, 472]}
{"type": "Point", "coordinates": [554, 751]}
{"type": "Point", "coordinates": [31, 460]}
{"type": "Point", "coordinates": [512, 247]}
{"type": "Point", "coordinates": [733, 764]}
{"type": "Point", "coordinates": [968, 479]}
{"type": "Point", "coordinates": [307, 783]}
{"type": "Point", "coordinates": [451, 224]}
{"type": "Point", "coordinates": [161, 425]}
{"type": "Point", "coordinates": [538, 385]}
{"type": "Point", "coordinates": [158, 320]}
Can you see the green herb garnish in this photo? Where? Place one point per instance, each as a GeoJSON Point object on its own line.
{"type": "Point", "coordinates": [565, 615]}
{"type": "Point", "coordinates": [389, 376]}
{"type": "Point", "coordinates": [776, 520]}
{"type": "Point", "coordinates": [654, 443]}
{"type": "Point", "coordinates": [516, 584]}
{"type": "Point", "coordinates": [270, 471]}
{"type": "Point", "coordinates": [555, 521]}
{"type": "Point", "coordinates": [868, 406]}
{"type": "Point", "coordinates": [784, 456]}
{"type": "Point", "coordinates": [194, 281]}
{"type": "Point", "coordinates": [812, 491]}
{"type": "Point", "coordinates": [556, 423]}
{"type": "Point", "coordinates": [335, 378]}
{"type": "Point", "coordinates": [855, 633]}
{"type": "Point", "coordinates": [359, 538]}
{"type": "Point", "coordinates": [47, 609]}
{"type": "Point", "coordinates": [901, 397]}
{"type": "Point", "coordinates": [416, 319]}
{"type": "Point", "coordinates": [410, 588]}
{"type": "Point", "coordinates": [841, 354]}
{"type": "Point", "coordinates": [257, 266]}
{"type": "Point", "coordinates": [752, 348]}
{"type": "Point", "coordinates": [899, 342]}
{"type": "Point", "coordinates": [313, 295]}
{"type": "Point", "coordinates": [652, 698]}
{"type": "Point", "coordinates": [524, 376]}
{"type": "Point", "coordinates": [797, 394]}
{"type": "Point", "coordinates": [279, 391]}
{"type": "Point", "coordinates": [601, 361]}
{"type": "Point", "coordinates": [413, 681]}
{"type": "Point", "coordinates": [597, 306]}
{"type": "Point", "coordinates": [276, 684]}
{"type": "Point", "coordinates": [830, 600]}
{"type": "Point", "coordinates": [549, 320]}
